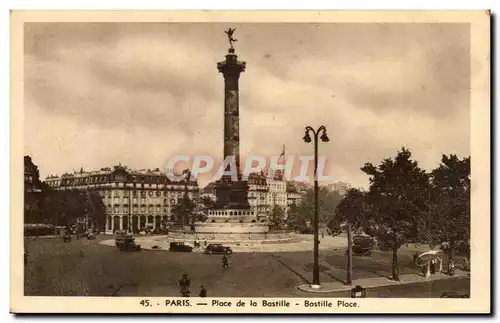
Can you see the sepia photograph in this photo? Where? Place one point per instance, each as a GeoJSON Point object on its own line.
{"type": "Point", "coordinates": [253, 162]}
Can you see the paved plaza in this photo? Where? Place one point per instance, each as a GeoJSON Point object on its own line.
{"type": "Point", "coordinates": [94, 268]}
{"type": "Point", "coordinates": [299, 243]}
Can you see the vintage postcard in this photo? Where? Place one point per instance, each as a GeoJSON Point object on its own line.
{"type": "Point", "coordinates": [250, 162]}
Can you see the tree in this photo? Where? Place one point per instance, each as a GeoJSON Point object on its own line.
{"type": "Point", "coordinates": [262, 209]}
{"type": "Point", "coordinates": [62, 207]}
{"type": "Point", "coordinates": [449, 224]}
{"type": "Point", "coordinates": [65, 207]}
{"type": "Point", "coordinates": [206, 204]}
{"type": "Point", "coordinates": [351, 210]}
{"type": "Point", "coordinates": [295, 219]}
{"type": "Point", "coordinates": [96, 209]}
{"type": "Point", "coordinates": [396, 202]}
{"type": "Point", "coordinates": [276, 217]}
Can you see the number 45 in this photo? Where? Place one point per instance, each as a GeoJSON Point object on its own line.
{"type": "Point", "coordinates": [145, 303]}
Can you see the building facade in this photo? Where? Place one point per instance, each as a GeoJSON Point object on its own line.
{"type": "Point", "coordinates": [341, 187]}
{"type": "Point", "coordinates": [277, 194]}
{"type": "Point", "coordinates": [257, 194]}
{"type": "Point", "coordinates": [135, 200]}
{"type": "Point", "coordinates": [32, 191]}
{"type": "Point", "coordinates": [208, 192]}
{"type": "Point", "coordinates": [31, 176]}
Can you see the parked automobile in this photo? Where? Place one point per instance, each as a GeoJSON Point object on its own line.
{"type": "Point", "coordinates": [454, 295]}
{"type": "Point", "coordinates": [126, 242]}
{"type": "Point", "coordinates": [384, 245]}
{"type": "Point", "coordinates": [90, 236]}
{"type": "Point", "coordinates": [180, 247]}
{"type": "Point", "coordinates": [217, 249]}
{"type": "Point", "coordinates": [362, 246]}
{"type": "Point", "coordinates": [66, 238]}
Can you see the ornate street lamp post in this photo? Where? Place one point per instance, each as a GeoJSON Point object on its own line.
{"type": "Point", "coordinates": [324, 138]}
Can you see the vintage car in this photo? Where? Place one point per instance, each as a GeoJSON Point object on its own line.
{"type": "Point", "coordinates": [217, 249]}
{"type": "Point", "coordinates": [454, 295]}
{"type": "Point", "coordinates": [126, 242]}
{"type": "Point", "coordinates": [66, 238]}
{"type": "Point", "coordinates": [180, 247]}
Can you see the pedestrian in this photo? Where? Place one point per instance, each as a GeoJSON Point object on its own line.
{"type": "Point", "coordinates": [205, 242]}
{"type": "Point", "coordinates": [203, 291]}
{"type": "Point", "coordinates": [322, 235]}
{"type": "Point", "coordinates": [224, 261]}
{"type": "Point", "coordinates": [184, 284]}
{"type": "Point", "coordinates": [451, 270]}
{"type": "Point", "coordinates": [415, 257]}
{"type": "Point", "coordinates": [466, 265]}
{"type": "Point", "coordinates": [433, 266]}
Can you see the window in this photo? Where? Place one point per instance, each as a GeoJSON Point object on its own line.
{"type": "Point", "coordinates": [143, 193]}
{"type": "Point", "coordinates": [134, 193]}
{"type": "Point", "coordinates": [158, 193]}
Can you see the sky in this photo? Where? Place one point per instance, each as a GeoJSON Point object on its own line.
{"type": "Point", "coordinates": [100, 94]}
